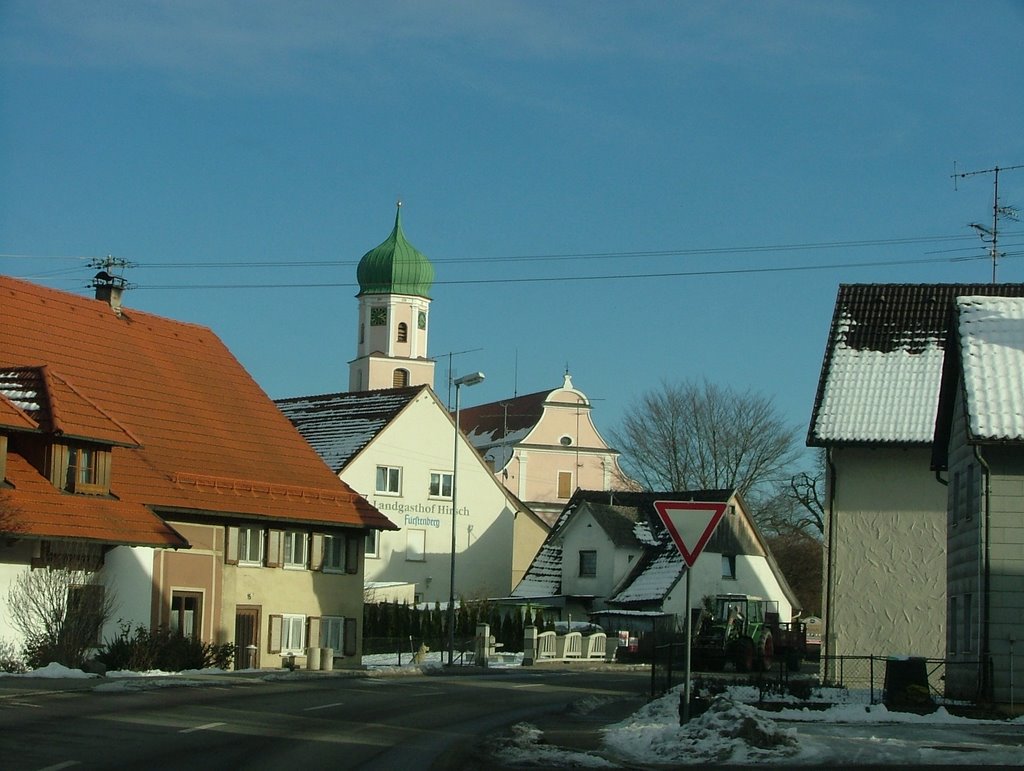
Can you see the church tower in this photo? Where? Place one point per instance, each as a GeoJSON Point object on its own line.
{"type": "Point", "coordinates": [394, 310]}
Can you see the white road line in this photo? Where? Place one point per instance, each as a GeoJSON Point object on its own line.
{"type": "Point", "coordinates": [25, 704]}
{"type": "Point", "coordinates": [58, 766]}
{"type": "Point", "coordinates": [529, 685]}
{"type": "Point", "coordinates": [324, 706]}
{"type": "Point", "coordinates": [204, 727]}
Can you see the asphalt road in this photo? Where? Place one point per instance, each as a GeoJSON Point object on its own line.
{"type": "Point", "coordinates": [437, 721]}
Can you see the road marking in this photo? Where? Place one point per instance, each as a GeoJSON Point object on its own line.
{"type": "Point", "coordinates": [204, 727]}
{"type": "Point", "coordinates": [324, 706]}
{"type": "Point", "coordinates": [529, 685]}
{"type": "Point", "coordinates": [58, 766]}
{"type": "Point", "coordinates": [25, 704]}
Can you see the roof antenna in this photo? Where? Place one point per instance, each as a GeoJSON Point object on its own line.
{"type": "Point", "coordinates": [991, 235]}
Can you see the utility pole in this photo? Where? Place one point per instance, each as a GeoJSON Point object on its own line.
{"type": "Point", "coordinates": [991, 235]}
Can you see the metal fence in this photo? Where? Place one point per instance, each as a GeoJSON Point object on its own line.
{"type": "Point", "coordinates": [861, 673]}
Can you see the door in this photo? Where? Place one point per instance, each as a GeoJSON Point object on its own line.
{"type": "Point", "coordinates": [247, 632]}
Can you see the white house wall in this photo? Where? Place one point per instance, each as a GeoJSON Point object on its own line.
{"type": "Point", "coordinates": [888, 528]}
{"type": "Point", "coordinates": [14, 561]}
{"type": "Point", "coordinates": [754, 577]}
{"type": "Point", "coordinates": [420, 441]}
{"type": "Point", "coordinates": [129, 574]}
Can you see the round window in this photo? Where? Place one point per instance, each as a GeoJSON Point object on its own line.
{"type": "Point", "coordinates": [566, 440]}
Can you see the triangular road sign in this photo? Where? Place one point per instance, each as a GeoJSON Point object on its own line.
{"type": "Point", "coordinates": [690, 523]}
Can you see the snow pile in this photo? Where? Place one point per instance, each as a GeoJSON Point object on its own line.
{"type": "Point", "coordinates": [53, 672]}
{"type": "Point", "coordinates": [728, 732]}
{"type": "Point", "coordinates": [525, 747]}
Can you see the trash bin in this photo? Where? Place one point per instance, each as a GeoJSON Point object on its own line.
{"type": "Point", "coordinates": [906, 685]}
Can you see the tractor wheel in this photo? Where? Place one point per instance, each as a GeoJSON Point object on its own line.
{"type": "Point", "coordinates": [767, 657]}
{"type": "Point", "coordinates": [743, 654]}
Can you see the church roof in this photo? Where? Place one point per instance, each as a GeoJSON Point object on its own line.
{"type": "Point", "coordinates": [395, 266]}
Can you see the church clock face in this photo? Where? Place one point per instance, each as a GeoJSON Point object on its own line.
{"type": "Point", "coordinates": [378, 317]}
{"type": "Point", "coordinates": [422, 322]}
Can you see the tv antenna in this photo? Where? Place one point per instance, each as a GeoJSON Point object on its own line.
{"type": "Point", "coordinates": [451, 379]}
{"type": "Point", "coordinates": [987, 234]}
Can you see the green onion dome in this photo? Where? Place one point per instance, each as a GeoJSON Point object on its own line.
{"type": "Point", "coordinates": [395, 267]}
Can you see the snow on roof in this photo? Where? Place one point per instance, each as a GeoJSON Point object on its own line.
{"type": "Point", "coordinates": [992, 357]}
{"type": "Point", "coordinates": [544, 576]}
{"type": "Point", "coordinates": [339, 425]}
{"type": "Point", "coordinates": [882, 370]}
{"type": "Point", "coordinates": [656, 579]}
{"type": "Point", "coordinates": [875, 396]}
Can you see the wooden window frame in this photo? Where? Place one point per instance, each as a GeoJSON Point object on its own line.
{"type": "Point", "coordinates": [247, 536]}
{"type": "Point", "coordinates": [437, 485]}
{"type": "Point", "coordinates": [197, 631]}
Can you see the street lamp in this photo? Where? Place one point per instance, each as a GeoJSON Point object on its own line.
{"type": "Point", "coordinates": [466, 380]}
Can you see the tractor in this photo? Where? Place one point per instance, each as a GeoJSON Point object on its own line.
{"type": "Point", "coordinates": [747, 632]}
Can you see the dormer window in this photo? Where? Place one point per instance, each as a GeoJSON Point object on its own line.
{"type": "Point", "coordinates": [83, 469]}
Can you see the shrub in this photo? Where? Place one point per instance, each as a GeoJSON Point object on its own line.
{"type": "Point", "coordinates": [162, 648]}
{"type": "Point", "coordinates": [9, 659]}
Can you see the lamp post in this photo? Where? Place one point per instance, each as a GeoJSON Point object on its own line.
{"type": "Point", "coordinates": [465, 380]}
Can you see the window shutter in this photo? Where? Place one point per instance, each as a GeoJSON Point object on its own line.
{"type": "Point", "coordinates": [313, 632]}
{"type": "Point", "coordinates": [274, 538]}
{"type": "Point", "coordinates": [352, 553]}
{"type": "Point", "coordinates": [274, 638]}
{"type": "Point", "coordinates": [350, 636]}
{"type": "Point", "coordinates": [316, 552]}
{"type": "Point", "coordinates": [231, 546]}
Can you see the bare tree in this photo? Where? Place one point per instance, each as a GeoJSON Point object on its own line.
{"type": "Point", "coordinates": [701, 436]}
{"type": "Point", "coordinates": [61, 605]}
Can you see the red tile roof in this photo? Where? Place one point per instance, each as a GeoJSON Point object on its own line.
{"type": "Point", "coordinates": [210, 440]}
{"type": "Point", "coordinates": [492, 422]}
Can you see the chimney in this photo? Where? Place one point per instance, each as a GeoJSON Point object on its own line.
{"type": "Point", "coordinates": [109, 289]}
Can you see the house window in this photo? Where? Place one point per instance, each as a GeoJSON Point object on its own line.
{"type": "Point", "coordinates": [373, 543]}
{"type": "Point", "coordinates": [389, 480]}
{"type": "Point", "coordinates": [294, 549]}
{"type": "Point", "coordinates": [332, 633]}
{"type": "Point", "coordinates": [334, 553]}
{"type": "Point", "coordinates": [729, 566]}
{"type": "Point", "coordinates": [564, 484]}
{"type": "Point", "coordinates": [186, 614]}
{"type": "Point", "coordinates": [293, 634]}
{"type": "Point", "coordinates": [969, 505]}
{"type": "Point", "coordinates": [440, 484]}
{"type": "Point", "coordinates": [400, 378]}
{"type": "Point", "coordinates": [951, 623]}
{"type": "Point", "coordinates": [84, 474]}
{"type": "Point", "coordinates": [403, 333]}
{"type": "Point", "coordinates": [416, 546]}
{"type": "Point", "coordinates": [967, 624]}
{"type": "Point", "coordinates": [250, 546]}
{"type": "Point", "coordinates": [588, 564]}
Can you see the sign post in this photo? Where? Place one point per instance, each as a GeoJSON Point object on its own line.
{"type": "Point", "coordinates": [690, 523]}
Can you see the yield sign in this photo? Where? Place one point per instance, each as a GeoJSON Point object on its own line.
{"type": "Point", "coordinates": [690, 523]}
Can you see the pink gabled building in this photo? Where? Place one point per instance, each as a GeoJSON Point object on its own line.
{"type": "Point", "coordinates": [544, 446]}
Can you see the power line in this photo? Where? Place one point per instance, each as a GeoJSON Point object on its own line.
{"type": "Point", "coordinates": [612, 277]}
{"type": "Point", "coordinates": [689, 252]}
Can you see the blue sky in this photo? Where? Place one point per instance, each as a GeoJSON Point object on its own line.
{"type": "Point", "coordinates": [645, 192]}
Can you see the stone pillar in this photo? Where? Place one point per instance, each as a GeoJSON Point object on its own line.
{"type": "Point", "coordinates": [529, 645]}
{"type": "Point", "coordinates": [313, 658]}
{"type": "Point", "coordinates": [483, 644]}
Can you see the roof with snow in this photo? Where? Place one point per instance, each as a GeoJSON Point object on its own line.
{"type": "Point", "coordinates": [339, 426]}
{"type": "Point", "coordinates": [629, 518]}
{"type": "Point", "coordinates": [882, 369]}
{"type": "Point", "coordinates": [991, 339]}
